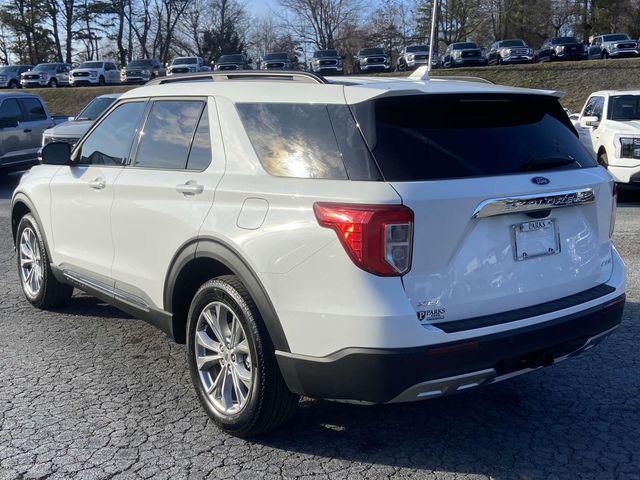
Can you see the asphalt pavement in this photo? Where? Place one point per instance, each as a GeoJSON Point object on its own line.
{"type": "Point", "coordinates": [89, 392]}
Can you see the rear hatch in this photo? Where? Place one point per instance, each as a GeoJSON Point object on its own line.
{"type": "Point", "coordinates": [511, 211]}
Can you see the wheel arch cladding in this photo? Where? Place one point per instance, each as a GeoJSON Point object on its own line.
{"type": "Point", "coordinates": [200, 261]}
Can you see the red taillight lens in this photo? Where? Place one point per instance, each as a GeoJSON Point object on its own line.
{"type": "Point", "coordinates": [378, 238]}
{"type": "Point", "coordinates": [614, 207]}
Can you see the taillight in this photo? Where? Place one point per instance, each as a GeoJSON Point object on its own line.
{"type": "Point", "coordinates": [378, 238]}
{"type": "Point", "coordinates": [614, 207]}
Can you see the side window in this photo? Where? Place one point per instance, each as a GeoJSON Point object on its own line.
{"type": "Point", "coordinates": [109, 143]}
{"type": "Point", "coordinates": [34, 109]}
{"type": "Point", "coordinates": [11, 110]}
{"type": "Point", "coordinates": [200, 154]}
{"type": "Point", "coordinates": [168, 132]}
{"type": "Point", "coordinates": [589, 107]}
{"type": "Point", "coordinates": [598, 107]}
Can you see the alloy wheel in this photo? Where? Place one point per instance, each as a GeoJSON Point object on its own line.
{"type": "Point", "coordinates": [223, 358]}
{"type": "Point", "coordinates": [31, 264]}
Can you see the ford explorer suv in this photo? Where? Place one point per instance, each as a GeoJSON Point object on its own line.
{"type": "Point", "coordinates": [562, 48]}
{"type": "Point", "coordinates": [609, 124]}
{"type": "Point", "coordinates": [23, 118]}
{"type": "Point", "coordinates": [326, 62]}
{"type": "Point", "coordinates": [142, 70]}
{"type": "Point", "coordinates": [372, 59]}
{"type": "Point", "coordinates": [94, 73]}
{"type": "Point", "coordinates": [463, 54]}
{"type": "Point", "coordinates": [187, 65]}
{"type": "Point", "coordinates": [506, 52]}
{"type": "Point", "coordinates": [72, 130]}
{"type": "Point", "coordinates": [46, 75]}
{"type": "Point", "coordinates": [414, 56]}
{"type": "Point", "coordinates": [330, 239]}
{"type": "Point", "coordinates": [615, 45]}
{"type": "Point", "coordinates": [10, 75]}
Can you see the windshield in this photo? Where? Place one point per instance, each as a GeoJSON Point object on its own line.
{"type": "Point", "coordinates": [45, 67]}
{"type": "Point", "coordinates": [624, 107]}
{"type": "Point", "coordinates": [616, 37]}
{"type": "Point", "coordinates": [94, 108]}
{"type": "Point", "coordinates": [418, 48]}
{"type": "Point", "coordinates": [8, 69]}
{"type": "Point", "coordinates": [525, 133]}
{"type": "Point", "coordinates": [90, 65]}
{"type": "Point", "coordinates": [564, 40]}
{"type": "Point", "coordinates": [372, 51]}
{"type": "Point", "coordinates": [276, 56]}
{"type": "Point", "coordinates": [184, 61]}
{"type": "Point", "coordinates": [231, 58]}
{"type": "Point", "coordinates": [141, 64]}
{"type": "Point", "coordinates": [513, 43]}
{"type": "Point", "coordinates": [325, 53]}
{"type": "Point", "coordinates": [464, 46]}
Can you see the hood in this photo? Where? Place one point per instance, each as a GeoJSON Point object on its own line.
{"type": "Point", "coordinates": [626, 126]}
{"type": "Point", "coordinates": [70, 129]}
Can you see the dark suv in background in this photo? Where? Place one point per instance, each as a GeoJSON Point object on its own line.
{"type": "Point", "coordinates": [276, 61]}
{"type": "Point", "coordinates": [371, 59]}
{"type": "Point", "coordinates": [326, 62]}
{"type": "Point", "coordinates": [463, 54]}
{"type": "Point", "coordinates": [236, 61]}
{"type": "Point", "coordinates": [142, 70]}
{"type": "Point", "coordinates": [510, 51]}
{"type": "Point", "coordinates": [562, 48]}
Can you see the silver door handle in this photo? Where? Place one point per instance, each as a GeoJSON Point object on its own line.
{"type": "Point", "coordinates": [190, 188]}
{"type": "Point", "coordinates": [98, 184]}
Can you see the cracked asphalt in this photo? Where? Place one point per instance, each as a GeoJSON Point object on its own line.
{"type": "Point", "coordinates": [89, 392]}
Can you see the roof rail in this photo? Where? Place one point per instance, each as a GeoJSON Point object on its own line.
{"type": "Point", "coordinates": [462, 78]}
{"type": "Point", "coordinates": [217, 76]}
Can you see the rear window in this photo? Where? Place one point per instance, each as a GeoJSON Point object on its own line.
{"type": "Point", "coordinates": [624, 108]}
{"type": "Point", "coordinates": [307, 141]}
{"type": "Point", "coordinates": [430, 137]}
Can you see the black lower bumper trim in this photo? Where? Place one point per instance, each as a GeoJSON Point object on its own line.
{"type": "Point", "coordinates": [380, 375]}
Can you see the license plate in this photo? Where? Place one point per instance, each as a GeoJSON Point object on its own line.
{"type": "Point", "coordinates": [536, 238]}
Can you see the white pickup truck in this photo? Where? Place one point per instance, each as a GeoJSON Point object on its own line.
{"type": "Point", "coordinates": [610, 125]}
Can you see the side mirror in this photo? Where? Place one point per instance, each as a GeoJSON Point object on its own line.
{"type": "Point", "coordinates": [55, 153]}
{"type": "Point", "coordinates": [590, 121]}
{"type": "Point", "coordinates": [8, 122]}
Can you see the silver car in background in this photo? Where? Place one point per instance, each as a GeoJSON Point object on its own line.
{"type": "Point", "coordinates": [46, 75]}
{"type": "Point", "coordinates": [10, 75]}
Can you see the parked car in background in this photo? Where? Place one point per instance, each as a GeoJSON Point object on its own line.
{"type": "Point", "coordinates": [94, 73]}
{"type": "Point", "coordinates": [46, 75]}
{"type": "Point", "coordinates": [463, 54]}
{"type": "Point", "coordinates": [142, 70]}
{"type": "Point", "coordinates": [505, 52]}
{"type": "Point", "coordinates": [562, 48]}
{"type": "Point", "coordinates": [614, 45]}
{"type": "Point", "coordinates": [10, 75]}
{"type": "Point", "coordinates": [349, 242]}
{"type": "Point", "coordinates": [23, 119]}
{"type": "Point", "coordinates": [609, 124]}
{"type": "Point", "coordinates": [414, 56]}
{"type": "Point", "coordinates": [327, 62]}
{"type": "Point", "coordinates": [187, 65]}
{"type": "Point", "coordinates": [276, 61]}
{"type": "Point", "coordinates": [72, 130]}
{"type": "Point", "coordinates": [236, 61]}
{"type": "Point", "coordinates": [372, 60]}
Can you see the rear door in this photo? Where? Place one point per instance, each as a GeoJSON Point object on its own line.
{"type": "Point", "coordinates": [163, 197]}
{"type": "Point", "coordinates": [471, 171]}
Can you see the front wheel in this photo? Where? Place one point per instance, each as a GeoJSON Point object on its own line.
{"type": "Point", "coordinates": [53, 83]}
{"type": "Point", "coordinates": [101, 81]}
{"type": "Point", "coordinates": [603, 160]}
{"type": "Point", "coordinates": [232, 361]}
{"type": "Point", "coordinates": [39, 285]}
{"type": "Point", "coordinates": [14, 84]}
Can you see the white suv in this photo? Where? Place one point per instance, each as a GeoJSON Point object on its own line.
{"type": "Point", "coordinates": [610, 125]}
{"type": "Point", "coordinates": [368, 240]}
{"type": "Point", "coordinates": [94, 73]}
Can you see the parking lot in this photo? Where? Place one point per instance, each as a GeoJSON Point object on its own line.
{"type": "Point", "coordinates": [92, 392]}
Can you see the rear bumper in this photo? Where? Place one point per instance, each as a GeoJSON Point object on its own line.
{"type": "Point", "coordinates": [399, 375]}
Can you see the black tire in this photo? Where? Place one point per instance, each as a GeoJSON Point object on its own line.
{"type": "Point", "coordinates": [14, 84]}
{"type": "Point", "coordinates": [605, 55]}
{"type": "Point", "coordinates": [269, 402]}
{"type": "Point", "coordinates": [101, 81]}
{"type": "Point", "coordinates": [51, 292]}
{"type": "Point", "coordinates": [603, 160]}
{"type": "Point", "coordinates": [53, 83]}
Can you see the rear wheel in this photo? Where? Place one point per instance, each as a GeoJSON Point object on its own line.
{"type": "Point", "coordinates": [39, 285]}
{"type": "Point", "coordinates": [232, 361]}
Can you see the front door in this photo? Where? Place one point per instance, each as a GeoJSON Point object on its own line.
{"type": "Point", "coordinates": [35, 123]}
{"type": "Point", "coordinates": [82, 195]}
{"type": "Point", "coordinates": [14, 145]}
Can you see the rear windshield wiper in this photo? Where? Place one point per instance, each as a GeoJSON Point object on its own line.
{"type": "Point", "coordinates": [547, 163]}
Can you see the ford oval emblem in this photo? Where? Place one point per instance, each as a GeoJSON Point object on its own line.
{"type": "Point", "coordinates": [540, 180]}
